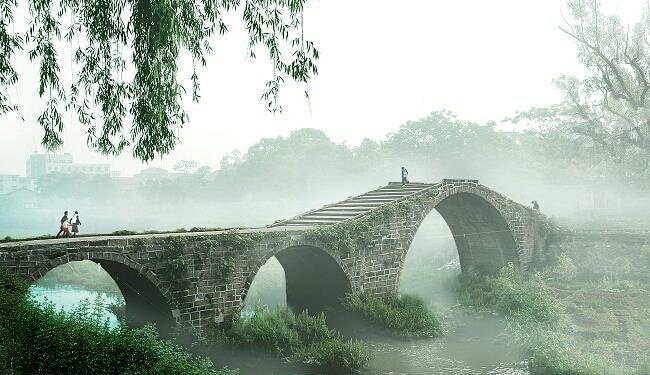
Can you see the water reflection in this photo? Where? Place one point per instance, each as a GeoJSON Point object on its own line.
{"type": "Point", "coordinates": [68, 299]}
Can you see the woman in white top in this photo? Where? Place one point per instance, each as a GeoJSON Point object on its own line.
{"type": "Point", "coordinates": [75, 223]}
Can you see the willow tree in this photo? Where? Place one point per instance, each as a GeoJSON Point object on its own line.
{"type": "Point", "coordinates": [610, 104]}
{"type": "Point", "coordinates": [144, 111]}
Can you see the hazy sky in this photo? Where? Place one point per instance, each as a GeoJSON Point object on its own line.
{"type": "Point", "coordinates": [381, 65]}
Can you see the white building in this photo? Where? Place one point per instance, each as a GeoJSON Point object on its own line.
{"type": "Point", "coordinates": [41, 164]}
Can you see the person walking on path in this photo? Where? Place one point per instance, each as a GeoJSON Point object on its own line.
{"type": "Point", "coordinates": [64, 220]}
{"type": "Point", "coordinates": [75, 223]}
{"type": "Point", "coordinates": [405, 175]}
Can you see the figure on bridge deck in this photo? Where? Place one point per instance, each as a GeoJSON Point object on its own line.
{"type": "Point", "coordinates": [405, 175]}
{"type": "Point", "coordinates": [63, 231]}
{"type": "Point", "coordinates": [75, 223]}
{"type": "Point", "coordinates": [535, 205]}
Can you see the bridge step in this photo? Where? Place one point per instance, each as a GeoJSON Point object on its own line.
{"type": "Point", "coordinates": [368, 205]}
{"type": "Point", "coordinates": [366, 199]}
{"type": "Point", "coordinates": [387, 194]}
{"type": "Point", "coordinates": [358, 205]}
{"type": "Point", "coordinates": [334, 214]}
{"type": "Point", "coordinates": [341, 209]}
{"type": "Point", "coordinates": [314, 222]}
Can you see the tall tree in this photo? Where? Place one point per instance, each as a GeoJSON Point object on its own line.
{"type": "Point", "coordinates": [610, 104]}
{"type": "Point", "coordinates": [152, 33]}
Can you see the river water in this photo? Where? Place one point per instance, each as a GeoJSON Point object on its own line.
{"type": "Point", "coordinates": [68, 298]}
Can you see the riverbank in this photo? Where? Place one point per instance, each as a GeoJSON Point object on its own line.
{"type": "Point", "coordinates": [585, 313]}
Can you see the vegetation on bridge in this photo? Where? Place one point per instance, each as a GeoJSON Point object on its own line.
{"type": "Point", "coordinates": [357, 234]}
{"type": "Point", "coordinates": [36, 339]}
{"type": "Point", "coordinates": [176, 260]}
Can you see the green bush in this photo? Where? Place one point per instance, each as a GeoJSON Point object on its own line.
{"type": "Point", "coordinates": [124, 232]}
{"type": "Point", "coordinates": [405, 315]}
{"type": "Point", "coordinates": [274, 330]}
{"type": "Point", "coordinates": [332, 356]}
{"type": "Point", "coordinates": [511, 293]}
{"type": "Point", "coordinates": [301, 339]}
{"type": "Point", "coordinates": [35, 339]}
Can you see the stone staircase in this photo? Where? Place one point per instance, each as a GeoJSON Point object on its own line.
{"type": "Point", "coordinates": [355, 207]}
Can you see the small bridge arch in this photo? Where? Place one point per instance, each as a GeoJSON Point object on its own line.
{"type": "Point", "coordinates": [316, 278]}
{"type": "Point", "coordinates": [147, 301]}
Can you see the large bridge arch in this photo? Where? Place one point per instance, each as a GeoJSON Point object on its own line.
{"type": "Point", "coordinates": [146, 301]}
{"type": "Point", "coordinates": [490, 230]}
{"type": "Point", "coordinates": [315, 277]}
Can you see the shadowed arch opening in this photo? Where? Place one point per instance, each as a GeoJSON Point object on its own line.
{"type": "Point", "coordinates": [145, 304]}
{"type": "Point", "coordinates": [313, 280]}
{"type": "Point", "coordinates": [143, 301]}
{"type": "Point", "coordinates": [482, 236]}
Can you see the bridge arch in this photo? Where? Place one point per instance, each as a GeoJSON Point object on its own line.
{"type": "Point", "coordinates": [146, 299]}
{"type": "Point", "coordinates": [489, 229]}
{"type": "Point", "coordinates": [316, 278]}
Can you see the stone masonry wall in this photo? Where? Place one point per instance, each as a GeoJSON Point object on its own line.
{"type": "Point", "coordinates": [204, 277]}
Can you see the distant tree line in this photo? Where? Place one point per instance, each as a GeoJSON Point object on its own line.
{"type": "Point", "coordinates": [308, 162]}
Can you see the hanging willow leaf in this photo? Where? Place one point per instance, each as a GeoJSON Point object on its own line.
{"type": "Point", "coordinates": [152, 33]}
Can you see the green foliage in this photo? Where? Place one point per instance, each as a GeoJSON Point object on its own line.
{"type": "Point", "coordinates": [405, 315]}
{"type": "Point", "coordinates": [300, 339]}
{"type": "Point", "coordinates": [36, 339]}
{"type": "Point", "coordinates": [333, 356]}
{"type": "Point", "coordinates": [344, 237]}
{"type": "Point", "coordinates": [175, 265]}
{"type": "Point", "coordinates": [224, 266]}
{"type": "Point", "coordinates": [204, 229]}
{"type": "Point", "coordinates": [512, 293]}
{"type": "Point", "coordinates": [153, 34]}
{"type": "Point", "coordinates": [347, 236]}
{"type": "Point", "coordinates": [138, 245]}
{"type": "Point", "coordinates": [232, 243]}
{"type": "Point", "coordinates": [547, 253]}
{"type": "Point", "coordinates": [124, 232]}
{"type": "Point", "coordinates": [236, 241]}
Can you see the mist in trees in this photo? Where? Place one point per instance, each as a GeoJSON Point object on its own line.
{"type": "Point", "coordinates": [280, 177]}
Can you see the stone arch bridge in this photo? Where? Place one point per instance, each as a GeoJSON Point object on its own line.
{"type": "Point", "coordinates": [357, 245]}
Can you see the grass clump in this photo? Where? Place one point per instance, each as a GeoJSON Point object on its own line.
{"type": "Point", "coordinates": [406, 315]}
{"type": "Point", "coordinates": [303, 340]}
{"type": "Point", "coordinates": [520, 296]}
{"type": "Point", "coordinates": [124, 232]}
{"type": "Point", "coordinates": [36, 339]}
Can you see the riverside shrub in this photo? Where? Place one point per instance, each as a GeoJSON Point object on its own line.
{"type": "Point", "coordinates": [35, 339]}
{"type": "Point", "coordinates": [301, 339]}
{"type": "Point", "coordinates": [406, 315]}
{"type": "Point", "coordinates": [511, 293]}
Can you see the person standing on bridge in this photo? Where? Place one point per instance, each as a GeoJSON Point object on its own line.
{"type": "Point", "coordinates": [64, 220]}
{"type": "Point", "coordinates": [405, 175]}
{"type": "Point", "coordinates": [75, 223]}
